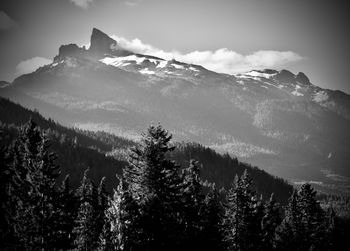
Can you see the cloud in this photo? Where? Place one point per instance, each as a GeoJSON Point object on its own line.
{"type": "Point", "coordinates": [221, 60]}
{"type": "Point", "coordinates": [133, 3]}
{"type": "Point", "coordinates": [6, 22]}
{"type": "Point", "coordinates": [30, 65]}
{"type": "Point", "coordinates": [82, 3]}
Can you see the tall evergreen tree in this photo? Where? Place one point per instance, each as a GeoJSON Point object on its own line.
{"type": "Point", "coordinates": [304, 226]}
{"type": "Point", "coordinates": [330, 225]}
{"type": "Point", "coordinates": [239, 215]}
{"type": "Point", "coordinates": [288, 233]}
{"type": "Point", "coordinates": [34, 188]}
{"type": "Point", "coordinates": [269, 224]}
{"type": "Point", "coordinates": [6, 179]}
{"type": "Point", "coordinates": [212, 236]}
{"type": "Point", "coordinates": [102, 204]}
{"type": "Point", "coordinates": [65, 215]}
{"type": "Point", "coordinates": [255, 224]}
{"type": "Point", "coordinates": [43, 195]}
{"type": "Point", "coordinates": [122, 229]}
{"type": "Point", "coordinates": [312, 219]}
{"type": "Point", "coordinates": [193, 207]}
{"type": "Point", "coordinates": [85, 227]}
{"type": "Point", "coordinates": [155, 184]}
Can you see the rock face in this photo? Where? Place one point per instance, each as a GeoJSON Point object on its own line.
{"type": "Point", "coordinates": [101, 43]}
{"type": "Point", "coordinates": [302, 78]}
{"type": "Point", "coordinates": [69, 50]}
{"type": "Point", "coordinates": [286, 76]}
{"type": "Point", "coordinates": [276, 120]}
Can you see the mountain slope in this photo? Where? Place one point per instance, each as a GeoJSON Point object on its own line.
{"type": "Point", "coordinates": [78, 150]}
{"type": "Point", "coordinates": [274, 119]}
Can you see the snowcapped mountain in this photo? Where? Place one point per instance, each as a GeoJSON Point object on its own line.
{"type": "Point", "coordinates": [276, 120]}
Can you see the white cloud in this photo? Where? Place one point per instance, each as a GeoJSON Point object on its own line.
{"type": "Point", "coordinates": [133, 3]}
{"type": "Point", "coordinates": [6, 22]}
{"type": "Point", "coordinates": [221, 60]}
{"type": "Point", "coordinates": [82, 3]}
{"type": "Point", "coordinates": [30, 65]}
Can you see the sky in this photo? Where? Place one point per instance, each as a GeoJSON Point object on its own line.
{"type": "Point", "coordinates": [230, 36]}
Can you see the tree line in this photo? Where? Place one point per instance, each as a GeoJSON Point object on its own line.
{"type": "Point", "coordinates": [157, 205]}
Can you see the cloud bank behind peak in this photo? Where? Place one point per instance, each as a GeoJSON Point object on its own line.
{"type": "Point", "coordinates": [222, 60]}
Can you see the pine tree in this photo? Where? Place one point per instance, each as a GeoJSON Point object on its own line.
{"type": "Point", "coordinates": [239, 215]}
{"type": "Point", "coordinates": [107, 235]}
{"type": "Point", "coordinates": [331, 228]}
{"type": "Point", "coordinates": [21, 158]}
{"type": "Point", "coordinates": [85, 227]}
{"type": "Point", "coordinates": [193, 207]}
{"type": "Point", "coordinates": [304, 226]}
{"type": "Point", "coordinates": [6, 179]}
{"type": "Point", "coordinates": [269, 224]}
{"type": "Point", "coordinates": [131, 235]}
{"type": "Point", "coordinates": [33, 188]}
{"type": "Point", "coordinates": [122, 228]}
{"type": "Point", "coordinates": [155, 184]}
{"type": "Point", "coordinates": [255, 224]}
{"type": "Point", "coordinates": [289, 232]}
{"type": "Point", "coordinates": [65, 215]}
{"type": "Point", "coordinates": [312, 219]}
{"type": "Point", "coordinates": [212, 236]}
{"type": "Point", "coordinates": [43, 194]}
{"type": "Point", "coordinates": [102, 204]}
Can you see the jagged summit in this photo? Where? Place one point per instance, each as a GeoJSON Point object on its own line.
{"type": "Point", "coordinates": [100, 45]}
{"type": "Point", "coordinates": [69, 50]}
{"type": "Point", "coordinates": [100, 42]}
{"type": "Point", "coordinates": [302, 78]}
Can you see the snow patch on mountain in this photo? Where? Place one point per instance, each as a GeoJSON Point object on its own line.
{"type": "Point", "coordinates": [177, 66]}
{"type": "Point", "coordinates": [193, 69]}
{"type": "Point", "coordinates": [162, 64]}
{"type": "Point", "coordinates": [260, 74]}
{"type": "Point", "coordinates": [296, 91]}
{"type": "Point", "coordinates": [146, 71]}
{"type": "Point", "coordinates": [320, 96]}
{"type": "Point", "coordinates": [120, 61]}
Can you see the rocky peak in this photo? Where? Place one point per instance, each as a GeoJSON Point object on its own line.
{"type": "Point", "coordinates": [69, 50]}
{"type": "Point", "coordinates": [302, 78]}
{"type": "Point", "coordinates": [101, 43]}
{"type": "Point", "coordinates": [285, 76]}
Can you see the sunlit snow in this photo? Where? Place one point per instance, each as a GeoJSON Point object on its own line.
{"type": "Point", "coordinates": [177, 66]}
{"type": "Point", "coordinates": [146, 71]}
{"type": "Point", "coordinates": [259, 74]}
{"type": "Point", "coordinates": [320, 96]}
{"type": "Point", "coordinates": [296, 92]}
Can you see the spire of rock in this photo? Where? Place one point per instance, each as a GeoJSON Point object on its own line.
{"type": "Point", "coordinates": [302, 78]}
{"type": "Point", "coordinates": [101, 43]}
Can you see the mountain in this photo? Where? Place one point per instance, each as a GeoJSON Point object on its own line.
{"type": "Point", "coordinates": [276, 120]}
{"type": "Point", "coordinates": [105, 154]}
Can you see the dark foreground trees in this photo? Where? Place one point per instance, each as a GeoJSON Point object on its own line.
{"type": "Point", "coordinates": [157, 206]}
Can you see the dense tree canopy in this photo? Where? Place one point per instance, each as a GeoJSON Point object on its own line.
{"type": "Point", "coordinates": [157, 205]}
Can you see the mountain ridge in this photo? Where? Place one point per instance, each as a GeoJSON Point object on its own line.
{"type": "Point", "coordinates": [265, 117]}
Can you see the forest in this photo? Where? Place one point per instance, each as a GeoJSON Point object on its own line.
{"type": "Point", "coordinates": [155, 205]}
{"type": "Point", "coordinates": [106, 154]}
